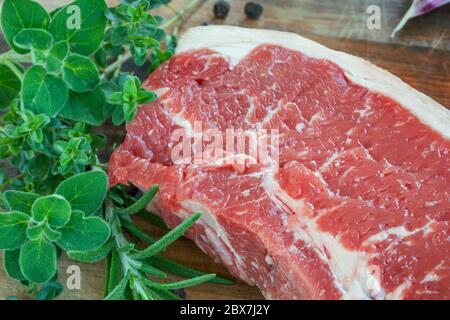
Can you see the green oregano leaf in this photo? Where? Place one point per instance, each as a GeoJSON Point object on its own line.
{"type": "Point", "coordinates": [139, 54]}
{"type": "Point", "coordinates": [119, 35]}
{"type": "Point", "coordinates": [115, 98]}
{"type": "Point", "coordinates": [146, 96]}
{"type": "Point", "coordinates": [93, 255]}
{"type": "Point", "coordinates": [9, 86]}
{"type": "Point", "coordinates": [86, 37]}
{"type": "Point", "coordinates": [19, 15]}
{"type": "Point", "coordinates": [50, 290]}
{"type": "Point", "coordinates": [51, 234]}
{"type": "Point", "coordinates": [118, 116]}
{"type": "Point", "coordinates": [20, 201]}
{"type": "Point", "coordinates": [11, 264]}
{"type": "Point", "coordinates": [40, 166]}
{"type": "Point", "coordinates": [54, 209]}
{"type": "Point", "coordinates": [42, 92]}
{"type": "Point", "coordinates": [80, 73]}
{"type": "Point", "coordinates": [43, 230]}
{"type": "Point", "coordinates": [101, 58]}
{"type": "Point", "coordinates": [83, 233]}
{"type": "Point", "coordinates": [131, 86]}
{"type": "Point", "coordinates": [36, 232]}
{"type": "Point", "coordinates": [88, 107]}
{"type": "Point", "coordinates": [85, 191]}
{"type": "Point", "coordinates": [56, 55]}
{"type": "Point", "coordinates": [38, 260]}
{"type": "Point", "coordinates": [129, 110]}
{"type": "Point", "coordinates": [38, 39]}
{"type": "Point", "coordinates": [13, 227]}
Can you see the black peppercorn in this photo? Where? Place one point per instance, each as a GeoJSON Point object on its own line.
{"type": "Point", "coordinates": [253, 10]}
{"type": "Point", "coordinates": [221, 9]}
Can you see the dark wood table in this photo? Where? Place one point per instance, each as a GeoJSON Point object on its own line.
{"type": "Point", "coordinates": [420, 55]}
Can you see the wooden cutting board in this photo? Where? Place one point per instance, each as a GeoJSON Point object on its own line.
{"type": "Point", "coordinates": [420, 56]}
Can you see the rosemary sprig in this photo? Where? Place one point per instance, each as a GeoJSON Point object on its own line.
{"type": "Point", "coordinates": [167, 239]}
{"type": "Point", "coordinates": [136, 271]}
{"type": "Point", "coordinates": [140, 204]}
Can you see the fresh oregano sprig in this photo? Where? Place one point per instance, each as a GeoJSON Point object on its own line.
{"type": "Point", "coordinates": [36, 225]}
{"type": "Point", "coordinates": [127, 99]}
{"type": "Point", "coordinates": [62, 78]}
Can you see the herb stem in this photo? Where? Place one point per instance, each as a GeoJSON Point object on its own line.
{"type": "Point", "coordinates": [14, 69]}
{"type": "Point", "coordinates": [171, 8]}
{"type": "Point", "coordinates": [117, 64]}
{"type": "Point", "coordinates": [128, 263]}
{"type": "Point", "coordinates": [12, 56]}
{"type": "Point", "coordinates": [181, 14]}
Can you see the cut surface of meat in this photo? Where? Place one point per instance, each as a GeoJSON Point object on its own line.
{"type": "Point", "coordinates": [357, 204]}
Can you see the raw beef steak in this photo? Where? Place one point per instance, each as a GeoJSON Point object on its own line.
{"type": "Point", "coordinates": [357, 206]}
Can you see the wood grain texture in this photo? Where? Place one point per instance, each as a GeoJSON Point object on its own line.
{"type": "Point", "coordinates": [420, 56]}
{"type": "Point", "coordinates": [343, 19]}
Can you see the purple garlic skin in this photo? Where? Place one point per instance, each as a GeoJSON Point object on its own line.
{"type": "Point", "coordinates": [418, 8]}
